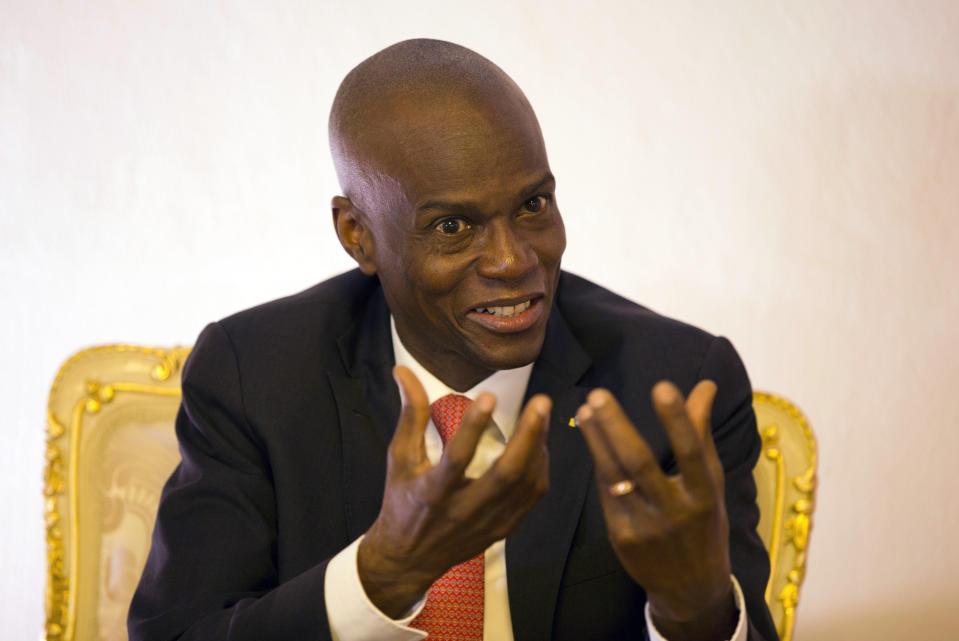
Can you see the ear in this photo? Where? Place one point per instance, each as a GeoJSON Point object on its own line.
{"type": "Point", "coordinates": [351, 229]}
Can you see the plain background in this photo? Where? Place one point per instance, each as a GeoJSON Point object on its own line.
{"type": "Point", "coordinates": [783, 173]}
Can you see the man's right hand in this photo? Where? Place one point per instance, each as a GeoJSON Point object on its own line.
{"type": "Point", "coordinates": [434, 517]}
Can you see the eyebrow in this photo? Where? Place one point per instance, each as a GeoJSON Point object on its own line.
{"type": "Point", "coordinates": [473, 206]}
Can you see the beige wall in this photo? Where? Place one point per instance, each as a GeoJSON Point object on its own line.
{"type": "Point", "coordinates": [786, 174]}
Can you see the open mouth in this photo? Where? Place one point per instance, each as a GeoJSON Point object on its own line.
{"type": "Point", "coordinates": [506, 311]}
{"type": "Point", "coordinates": [509, 319]}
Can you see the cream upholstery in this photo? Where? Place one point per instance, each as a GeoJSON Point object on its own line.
{"type": "Point", "coordinates": [111, 446]}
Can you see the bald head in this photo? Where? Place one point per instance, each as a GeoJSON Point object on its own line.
{"type": "Point", "coordinates": [450, 202]}
{"type": "Point", "coordinates": [397, 101]}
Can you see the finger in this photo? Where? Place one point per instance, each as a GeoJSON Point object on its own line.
{"type": "Point", "coordinates": [687, 443]}
{"type": "Point", "coordinates": [699, 406]}
{"type": "Point", "coordinates": [459, 451]}
{"type": "Point", "coordinates": [520, 476]}
{"type": "Point", "coordinates": [618, 449]}
{"type": "Point", "coordinates": [608, 470]}
{"type": "Point", "coordinates": [530, 433]}
{"type": "Point", "coordinates": [525, 456]}
{"type": "Point", "coordinates": [619, 512]}
{"type": "Point", "coordinates": [408, 441]}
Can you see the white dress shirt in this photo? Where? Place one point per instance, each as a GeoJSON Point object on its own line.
{"type": "Point", "coordinates": [353, 617]}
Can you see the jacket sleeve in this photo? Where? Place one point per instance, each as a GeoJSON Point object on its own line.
{"type": "Point", "coordinates": [738, 445]}
{"type": "Point", "coordinates": [212, 571]}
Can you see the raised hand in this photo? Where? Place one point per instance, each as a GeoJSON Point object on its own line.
{"type": "Point", "coordinates": [434, 517]}
{"type": "Point", "coordinates": [671, 533]}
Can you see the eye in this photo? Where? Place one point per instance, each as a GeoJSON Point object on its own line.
{"type": "Point", "coordinates": [536, 204]}
{"type": "Point", "coordinates": [450, 226]}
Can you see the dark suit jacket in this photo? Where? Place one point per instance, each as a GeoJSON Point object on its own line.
{"type": "Point", "coordinates": [287, 412]}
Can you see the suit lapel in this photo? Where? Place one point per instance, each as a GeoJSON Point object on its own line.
{"type": "Point", "coordinates": [368, 405]}
{"type": "Point", "coordinates": [536, 551]}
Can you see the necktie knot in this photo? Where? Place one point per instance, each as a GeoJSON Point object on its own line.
{"type": "Point", "coordinates": [447, 414]}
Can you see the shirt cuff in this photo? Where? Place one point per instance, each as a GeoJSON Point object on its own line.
{"type": "Point", "coordinates": [739, 634]}
{"type": "Point", "coordinates": [351, 614]}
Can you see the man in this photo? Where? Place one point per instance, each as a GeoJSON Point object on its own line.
{"type": "Point", "coordinates": [316, 498]}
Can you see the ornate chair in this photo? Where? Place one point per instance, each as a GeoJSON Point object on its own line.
{"type": "Point", "coordinates": [111, 446]}
{"type": "Point", "coordinates": [786, 487]}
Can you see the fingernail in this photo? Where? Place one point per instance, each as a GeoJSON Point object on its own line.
{"type": "Point", "coordinates": [485, 402]}
{"type": "Point", "coordinates": [666, 393]}
{"type": "Point", "coordinates": [596, 400]}
{"type": "Point", "coordinates": [542, 406]}
{"type": "Point", "coordinates": [584, 414]}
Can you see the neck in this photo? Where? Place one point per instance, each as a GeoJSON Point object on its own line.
{"type": "Point", "coordinates": [455, 373]}
{"type": "Point", "coordinates": [450, 368]}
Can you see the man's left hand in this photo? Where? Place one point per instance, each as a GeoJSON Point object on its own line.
{"type": "Point", "coordinates": [671, 533]}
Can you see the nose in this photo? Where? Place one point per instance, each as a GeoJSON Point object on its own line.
{"type": "Point", "coordinates": [507, 254]}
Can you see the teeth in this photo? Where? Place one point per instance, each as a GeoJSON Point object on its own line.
{"type": "Point", "coordinates": [505, 311]}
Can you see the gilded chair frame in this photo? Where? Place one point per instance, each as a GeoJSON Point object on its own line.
{"type": "Point", "coordinates": [77, 395]}
{"type": "Point", "coordinates": [786, 484]}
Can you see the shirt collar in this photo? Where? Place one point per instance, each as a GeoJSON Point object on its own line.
{"type": "Point", "coordinates": [508, 385]}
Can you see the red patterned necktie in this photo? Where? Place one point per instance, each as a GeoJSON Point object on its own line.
{"type": "Point", "coordinates": [454, 603]}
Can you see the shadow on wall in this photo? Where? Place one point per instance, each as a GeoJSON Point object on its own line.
{"type": "Point", "coordinates": [934, 618]}
{"type": "Point", "coordinates": [870, 165]}
{"type": "Point", "coordinates": [873, 175]}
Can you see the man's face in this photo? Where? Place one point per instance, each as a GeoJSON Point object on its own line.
{"type": "Point", "coordinates": [466, 235]}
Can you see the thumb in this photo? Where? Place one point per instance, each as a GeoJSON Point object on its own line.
{"type": "Point", "coordinates": [407, 443]}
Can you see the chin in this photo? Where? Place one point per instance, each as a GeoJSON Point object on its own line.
{"type": "Point", "coordinates": [513, 356]}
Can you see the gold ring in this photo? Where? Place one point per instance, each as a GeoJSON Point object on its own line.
{"type": "Point", "coordinates": [622, 488]}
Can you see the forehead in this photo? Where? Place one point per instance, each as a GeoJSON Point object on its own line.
{"type": "Point", "coordinates": [455, 146]}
